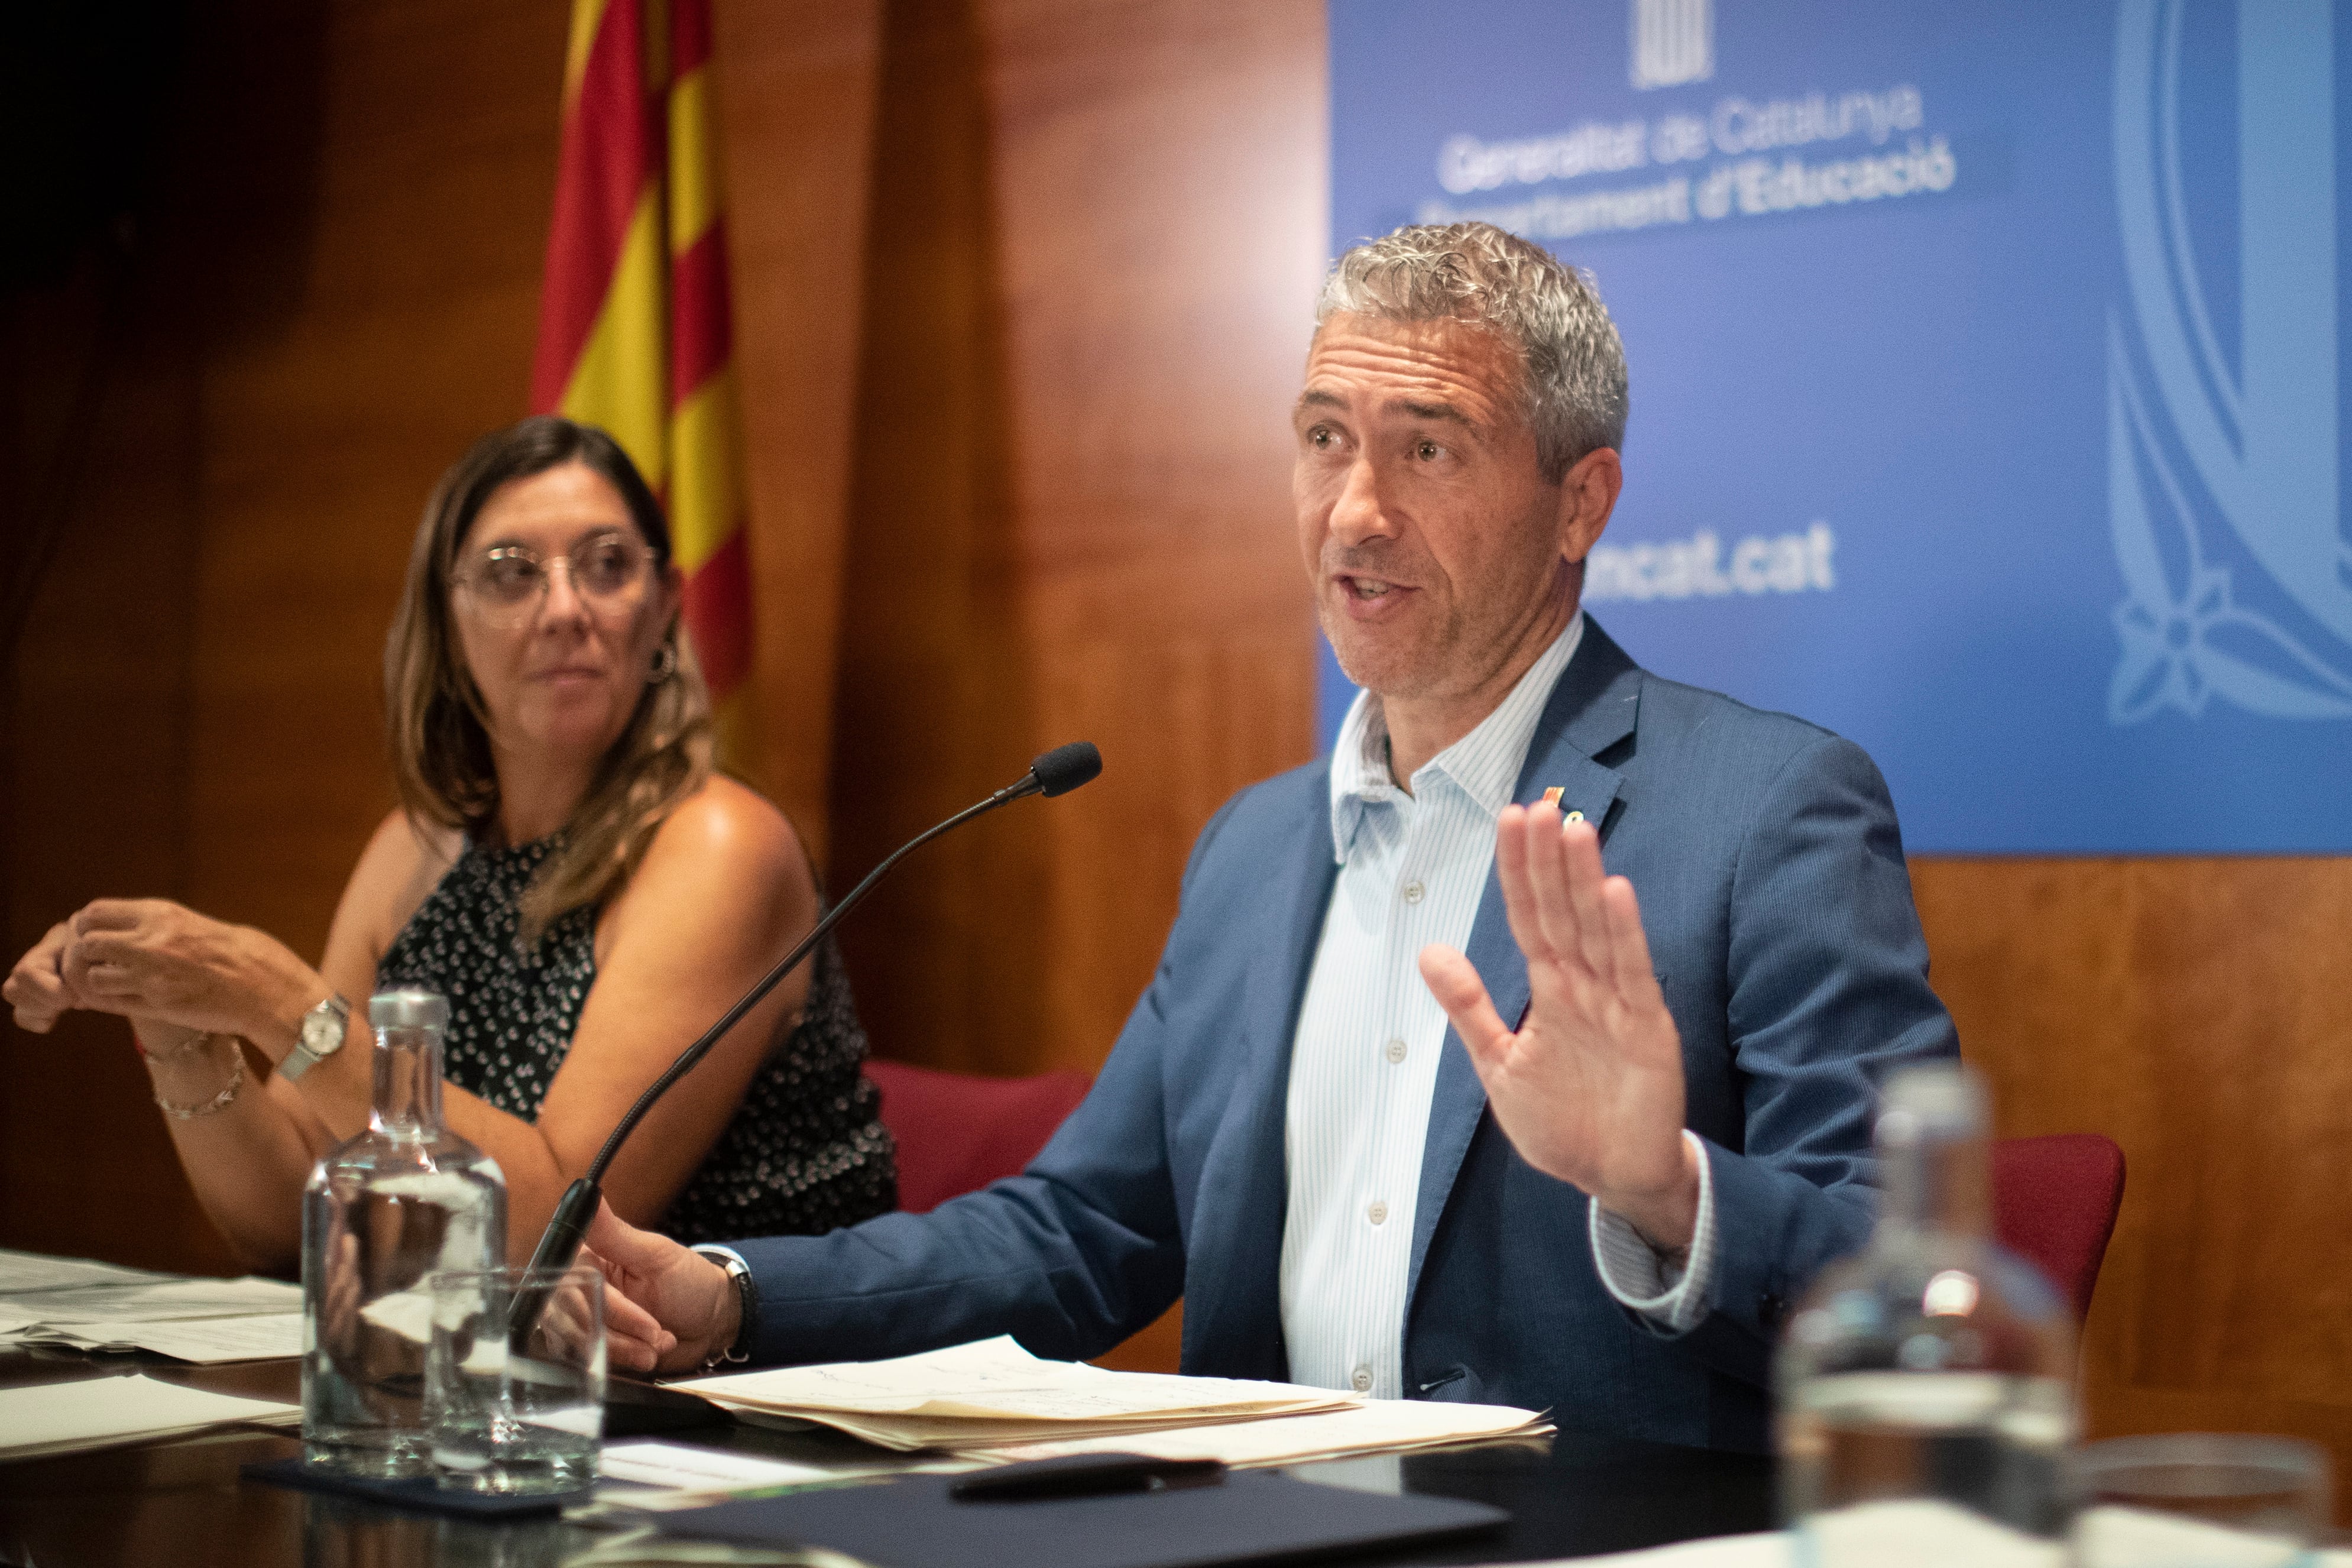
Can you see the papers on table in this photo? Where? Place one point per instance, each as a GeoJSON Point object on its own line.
{"type": "Point", "coordinates": [1925, 1533]}
{"type": "Point", "coordinates": [99, 1412]}
{"type": "Point", "coordinates": [35, 1272]}
{"type": "Point", "coordinates": [647, 1547]}
{"type": "Point", "coordinates": [995, 1401]}
{"type": "Point", "coordinates": [688, 1468]}
{"type": "Point", "coordinates": [98, 1307]}
{"type": "Point", "coordinates": [992, 1393]}
{"type": "Point", "coordinates": [207, 1341]}
{"type": "Point", "coordinates": [654, 1478]}
{"type": "Point", "coordinates": [152, 1301]}
{"type": "Point", "coordinates": [1372, 1427]}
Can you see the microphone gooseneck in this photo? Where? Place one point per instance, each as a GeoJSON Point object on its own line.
{"type": "Point", "coordinates": [1058, 772]}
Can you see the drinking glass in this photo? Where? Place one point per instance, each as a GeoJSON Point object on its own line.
{"type": "Point", "coordinates": [514, 1386]}
{"type": "Point", "coordinates": [2199, 1500]}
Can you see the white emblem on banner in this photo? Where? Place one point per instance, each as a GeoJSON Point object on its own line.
{"type": "Point", "coordinates": [1673, 42]}
{"type": "Point", "coordinates": [2202, 461]}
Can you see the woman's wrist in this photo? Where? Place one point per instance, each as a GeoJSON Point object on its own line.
{"type": "Point", "coordinates": [276, 1028]}
{"type": "Point", "coordinates": [158, 1042]}
{"type": "Point", "coordinates": [199, 1058]}
{"type": "Point", "coordinates": [200, 1078]}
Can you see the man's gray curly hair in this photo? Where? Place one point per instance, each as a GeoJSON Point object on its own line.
{"type": "Point", "coordinates": [1488, 277]}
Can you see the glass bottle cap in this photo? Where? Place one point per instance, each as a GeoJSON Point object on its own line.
{"type": "Point", "coordinates": [408, 1010]}
{"type": "Point", "coordinates": [1934, 1100]}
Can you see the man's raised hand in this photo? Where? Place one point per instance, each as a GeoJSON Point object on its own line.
{"type": "Point", "coordinates": [1590, 1087]}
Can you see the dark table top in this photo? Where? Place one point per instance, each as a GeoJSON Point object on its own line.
{"type": "Point", "coordinates": [183, 1502]}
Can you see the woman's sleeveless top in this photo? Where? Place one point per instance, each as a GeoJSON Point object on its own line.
{"type": "Point", "coordinates": [806, 1150]}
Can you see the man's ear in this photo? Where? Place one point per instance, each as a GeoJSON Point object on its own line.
{"type": "Point", "coordinates": [1588, 494]}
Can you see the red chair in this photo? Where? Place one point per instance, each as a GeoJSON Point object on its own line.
{"type": "Point", "coordinates": [958, 1133]}
{"type": "Point", "coordinates": [2054, 1202]}
{"type": "Point", "coordinates": [2054, 1199]}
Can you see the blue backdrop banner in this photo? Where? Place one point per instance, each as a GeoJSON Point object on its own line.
{"type": "Point", "coordinates": [1985, 371]}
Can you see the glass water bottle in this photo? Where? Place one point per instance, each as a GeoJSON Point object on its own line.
{"type": "Point", "coordinates": [383, 1214]}
{"type": "Point", "coordinates": [1925, 1387]}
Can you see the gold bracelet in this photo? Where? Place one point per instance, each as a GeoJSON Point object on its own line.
{"type": "Point", "coordinates": [220, 1101]}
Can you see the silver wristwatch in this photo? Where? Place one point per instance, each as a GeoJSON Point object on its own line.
{"type": "Point", "coordinates": [739, 1274]}
{"type": "Point", "coordinates": [320, 1036]}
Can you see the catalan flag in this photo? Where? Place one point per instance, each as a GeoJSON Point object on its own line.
{"type": "Point", "coordinates": [633, 332]}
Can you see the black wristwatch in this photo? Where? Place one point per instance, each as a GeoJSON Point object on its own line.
{"type": "Point", "coordinates": [739, 1274]}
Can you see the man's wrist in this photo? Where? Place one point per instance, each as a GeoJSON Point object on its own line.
{"type": "Point", "coordinates": [1667, 1218]}
{"type": "Point", "coordinates": [732, 1321]}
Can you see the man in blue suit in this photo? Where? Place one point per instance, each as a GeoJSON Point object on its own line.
{"type": "Point", "coordinates": [1421, 1102]}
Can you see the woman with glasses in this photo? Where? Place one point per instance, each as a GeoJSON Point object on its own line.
{"type": "Point", "coordinates": [564, 867]}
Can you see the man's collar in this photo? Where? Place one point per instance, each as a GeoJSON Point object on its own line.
{"type": "Point", "coordinates": [1484, 765]}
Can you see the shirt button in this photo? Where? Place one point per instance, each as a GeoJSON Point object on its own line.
{"type": "Point", "coordinates": [1362, 1380]}
{"type": "Point", "coordinates": [1396, 1050]}
{"type": "Point", "coordinates": [1412, 892]}
{"type": "Point", "coordinates": [1378, 1212]}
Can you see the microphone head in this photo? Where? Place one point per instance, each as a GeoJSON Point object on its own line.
{"type": "Point", "coordinates": [1064, 768]}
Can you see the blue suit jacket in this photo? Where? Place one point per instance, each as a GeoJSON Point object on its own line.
{"type": "Point", "coordinates": [1771, 873]}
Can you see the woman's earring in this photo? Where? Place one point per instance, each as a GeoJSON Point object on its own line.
{"type": "Point", "coordinates": [665, 664]}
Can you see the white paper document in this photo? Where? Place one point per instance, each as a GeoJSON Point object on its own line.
{"type": "Point", "coordinates": [656, 1478]}
{"type": "Point", "coordinates": [997, 1380]}
{"type": "Point", "coordinates": [209, 1342]}
{"type": "Point", "coordinates": [690, 1468]}
{"type": "Point", "coordinates": [1374, 1426]}
{"type": "Point", "coordinates": [38, 1271]}
{"type": "Point", "coordinates": [646, 1547]}
{"type": "Point", "coordinates": [150, 1301]}
{"type": "Point", "coordinates": [101, 1412]}
{"type": "Point", "coordinates": [99, 1307]}
{"type": "Point", "coordinates": [1925, 1533]}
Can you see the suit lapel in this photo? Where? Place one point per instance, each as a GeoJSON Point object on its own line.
{"type": "Point", "coordinates": [1594, 706]}
{"type": "Point", "coordinates": [1245, 1189]}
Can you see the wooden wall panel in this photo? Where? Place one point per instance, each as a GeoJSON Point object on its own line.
{"type": "Point", "coordinates": [2196, 1011]}
{"type": "Point", "coordinates": [330, 405]}
{"type": "Point", "coordinates": [1072, 514]}
{"type": "Point", "coordinates": [95, 757]}
{"type": "Point", "coordinates": [796, 93]}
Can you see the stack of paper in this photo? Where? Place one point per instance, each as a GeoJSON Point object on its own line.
{"type": "Point", "coordinates": [99, 1307]}
{"type": "Point", "coordinates": [1925, 1533]}
{"type": "Point", "coordinates": [101, 1412]}
{"type": "Point", "coordinates": [21, 1271]}
{"type": "Point", "coordinates": [1371, 1427]}
{"type": "Point", "coordinates": [655, 1477]}
{"type": "Point", "coordinates": [992, 1393]}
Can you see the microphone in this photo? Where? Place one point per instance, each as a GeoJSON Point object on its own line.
{"type": "Point", "coordinates": [1058, 772]}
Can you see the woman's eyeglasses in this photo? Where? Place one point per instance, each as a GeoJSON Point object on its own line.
{"type": "Point", "coordinates": [508, 584]}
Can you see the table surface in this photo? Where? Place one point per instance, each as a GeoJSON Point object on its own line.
{"type": "Point", "coordinates": [183, 1502]}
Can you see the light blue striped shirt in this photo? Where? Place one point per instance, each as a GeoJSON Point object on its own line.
{"type": "Point", "coordinates": [1363, 1067]}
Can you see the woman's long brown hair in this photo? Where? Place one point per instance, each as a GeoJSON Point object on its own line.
{"type": "Point", "coordinates": [439, 729]}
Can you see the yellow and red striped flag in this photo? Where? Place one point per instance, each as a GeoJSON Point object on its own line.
{"type": "Point", "coordinates": [634, 330]}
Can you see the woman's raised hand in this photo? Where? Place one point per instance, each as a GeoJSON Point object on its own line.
{"type": "Point", "coordinates": [37, 988]}
{"type": "Point", "coordinates": [150, 958]}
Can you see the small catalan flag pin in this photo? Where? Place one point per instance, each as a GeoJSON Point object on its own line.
{"type": "Point", "coordinates": [1552, 797]}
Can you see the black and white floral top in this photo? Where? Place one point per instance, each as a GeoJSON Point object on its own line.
{"type": "Point", "coordinates": [806, 1150]}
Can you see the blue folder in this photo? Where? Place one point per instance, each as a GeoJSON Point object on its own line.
{"type": "Point", "coordinates": [920, 1521]}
